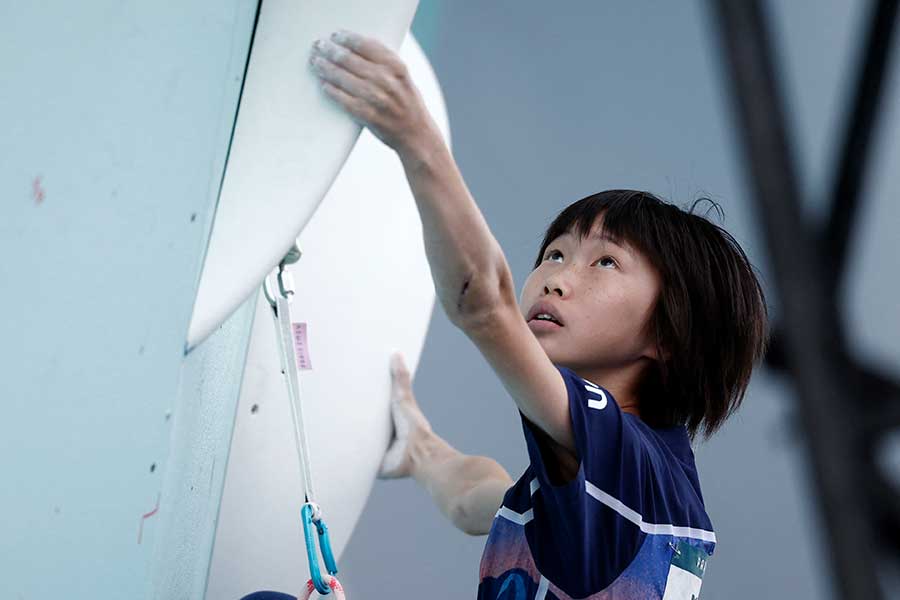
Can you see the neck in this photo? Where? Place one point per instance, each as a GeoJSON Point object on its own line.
{"type": "Point", "coordinates": [621, 381]}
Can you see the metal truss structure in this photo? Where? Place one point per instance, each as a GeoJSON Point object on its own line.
{"type": "Point", "coordinates": [846, 407]}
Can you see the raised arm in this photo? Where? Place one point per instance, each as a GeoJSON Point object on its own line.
{"type": "Point", "coordinates": [471, 276]}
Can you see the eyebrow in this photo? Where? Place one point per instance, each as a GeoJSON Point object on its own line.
{"type": "Point", "coordinates": [605, 237]}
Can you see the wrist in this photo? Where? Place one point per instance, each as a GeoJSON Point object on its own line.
{"type": "Point", "coordinates": [427, 451]}
{"type": "Point", "coordinates": [422, 149]}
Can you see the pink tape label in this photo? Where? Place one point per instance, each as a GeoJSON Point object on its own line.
{"type": "Point", "coordinates": [301, 347]}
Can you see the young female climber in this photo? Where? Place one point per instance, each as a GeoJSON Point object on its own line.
{"type": "Point", "coordinates": [638, 327]}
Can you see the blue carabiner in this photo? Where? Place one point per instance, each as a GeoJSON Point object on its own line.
{"type": "Point", "coordinates": [306, 514]}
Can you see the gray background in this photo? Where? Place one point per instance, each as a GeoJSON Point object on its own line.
{"type": "Point", "coordinates": [548, 105]}
{"type": "Point", "coordinates": [105, 420]}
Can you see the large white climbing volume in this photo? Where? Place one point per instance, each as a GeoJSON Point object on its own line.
{"type": "Point", "coordinates": [290, 140]}
{"type": "Point", "coordinates": [363, 288]}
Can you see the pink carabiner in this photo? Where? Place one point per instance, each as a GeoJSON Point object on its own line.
{"type": "Point", "coordinates": [333, 583]}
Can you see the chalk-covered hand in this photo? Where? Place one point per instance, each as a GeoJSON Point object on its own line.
{"type": "Point", "coordinates": [410, 425]}
{"type": "Point", "coordinates": [373, 85]}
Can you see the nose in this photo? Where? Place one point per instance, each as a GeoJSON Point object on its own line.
{"type": "Point", "coordinates": [552, 284]}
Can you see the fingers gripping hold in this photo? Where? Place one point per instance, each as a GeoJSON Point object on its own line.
{"type": "Point", "coordinates": [399, 372]}
{"type": "Point", "coordinates": [370, 49]}
{"type": "Point", "coordinates": [408, 422]}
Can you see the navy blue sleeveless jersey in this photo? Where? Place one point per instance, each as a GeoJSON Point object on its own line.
{"type": "Point", "coordinates": [630, 526]}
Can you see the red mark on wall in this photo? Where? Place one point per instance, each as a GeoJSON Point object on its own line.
{"type": "Point", "coordinates": [147, 516]}
{"type": "Point", "coordinates": [37, 191]}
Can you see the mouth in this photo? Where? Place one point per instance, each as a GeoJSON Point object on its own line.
{"type": "Point", "coordinates": [542, 325]}
{"type": "Point", "coordinates": [548, 313]}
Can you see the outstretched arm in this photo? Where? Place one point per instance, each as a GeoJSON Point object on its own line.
{"type": "Point", "coordinates": [472, 278]}
{"type": "Point", "coordinates": [467, 489]}
{"type": "Point", "coordinates": [374, 86]}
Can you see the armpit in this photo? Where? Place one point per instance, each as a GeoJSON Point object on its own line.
{"type": "Point", "coordinates": [561, 464]}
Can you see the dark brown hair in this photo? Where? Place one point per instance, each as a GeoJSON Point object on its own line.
{"type": "Point", "coordinates": [711, 313]}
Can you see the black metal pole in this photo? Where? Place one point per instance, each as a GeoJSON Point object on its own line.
{"type": "Point", "coordinates": [859, 122]}
{"type": "Point", "coordinates": [849, 162]}
{"type": "Point", "coordinates": [813, 336]}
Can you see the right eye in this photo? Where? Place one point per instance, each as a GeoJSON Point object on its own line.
{"type": "Point", "coordinates": [551, 253]}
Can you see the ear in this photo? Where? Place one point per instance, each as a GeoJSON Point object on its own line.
{"type": "Point", "coordinates": [654, 353]}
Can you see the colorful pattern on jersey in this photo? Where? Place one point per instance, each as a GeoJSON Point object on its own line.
{"type": "Point", "coordinates": [629, 525]}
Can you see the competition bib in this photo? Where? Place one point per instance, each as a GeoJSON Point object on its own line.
{"type": "Point", "coordinates": [685, 572]}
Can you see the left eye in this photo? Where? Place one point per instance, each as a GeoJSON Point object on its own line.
{"type": "Point", "coordinates": [608, 258]}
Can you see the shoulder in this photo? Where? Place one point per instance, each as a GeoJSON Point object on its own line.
{"type": "Point", "coordinates": [672, 486]}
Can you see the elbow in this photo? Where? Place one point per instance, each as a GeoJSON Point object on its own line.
{"type": "Point", "coordinates": [464, 520]}
{"type": "Point", "coordinates": [480, 296]}
{"type": "Point", "coordinates": [474, 305]}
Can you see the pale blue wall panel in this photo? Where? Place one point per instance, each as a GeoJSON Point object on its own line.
{"type": "Point", "coordinates": [116, 118]}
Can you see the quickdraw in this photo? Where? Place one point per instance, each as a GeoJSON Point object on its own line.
{"type": "Point", "coordinates": [310, 512]}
